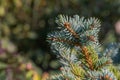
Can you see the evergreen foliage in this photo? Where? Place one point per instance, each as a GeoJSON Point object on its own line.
{"type": "Point", "coordinates": [76, 44]}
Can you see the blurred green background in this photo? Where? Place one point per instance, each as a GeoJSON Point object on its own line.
{"type": "Point", "coordinates": [24, 24]}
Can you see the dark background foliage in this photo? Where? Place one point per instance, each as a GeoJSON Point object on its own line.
{"type": "Point", "coordinates": [24, 25]}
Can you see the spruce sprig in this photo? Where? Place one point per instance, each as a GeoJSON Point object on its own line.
{"type": "Point", "coordinates": [77, 46]}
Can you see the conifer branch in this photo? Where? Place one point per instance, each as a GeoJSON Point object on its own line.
{"type": "Point", "coordinates": [77, 45]}
{"type": "Point", "coordinates": [84, 49]}
{"type": "Point", "coordinates": [102, 65]}
{"type": "Point", "coordinates": [87, 57]}
{"type": "Point", "coordinates": [67, 25]}
{"type": "Point", "coordinates": [64, 41]}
